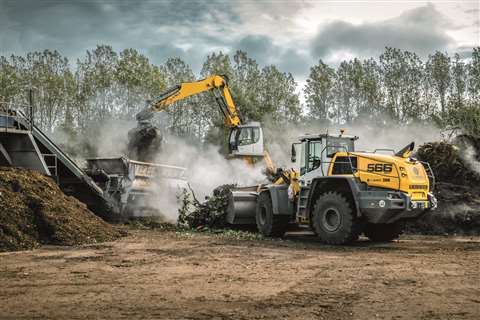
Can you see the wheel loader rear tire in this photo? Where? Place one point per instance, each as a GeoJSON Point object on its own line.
{"type": "Point", "coordinates": [334, 220]}
{"type": "Point", "coordinates": [269, 224]}
{"type": "Point", "coordinates": [383, 232]}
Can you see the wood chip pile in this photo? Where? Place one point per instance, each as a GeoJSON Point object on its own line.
{"type": "Point", "coordinates": [34, 211]}
{"type": "Point", "coordinates": [457, 188]}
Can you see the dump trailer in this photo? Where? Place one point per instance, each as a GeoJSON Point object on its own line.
{"type": "Point", "coordinates": [339, 193]}
{"type": "Point", "coordinates": [134, 187]}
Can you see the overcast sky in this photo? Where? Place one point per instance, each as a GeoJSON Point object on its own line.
{"type": "Point", "coordinates": [292, 34]}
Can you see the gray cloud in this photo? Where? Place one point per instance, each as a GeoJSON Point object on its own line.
{"type": "Point", "coordinates": [296, 62]}
{"type": "Point", "coordinates": [266, 52]}
{"type": "Point", "coordinates": [191, 29]}
{"type": "Point", "coordinates": [422, 30]}
{"type": "Point", "coordinates": [259, 47]}
{"type": "Point", "coordinates": [155, 27]}
{"type": "Point", "coordinates": [464, 52]}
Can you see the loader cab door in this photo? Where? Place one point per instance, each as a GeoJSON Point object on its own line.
{"type": "Point", "coordinates": [246, 140]}
{"type": "Point", "coordinates": [311, 164]}
{"type": "Point", "coordinates": [311, 156]}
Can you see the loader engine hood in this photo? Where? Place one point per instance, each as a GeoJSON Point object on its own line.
{"type": "Point", "coordinates": [391, 172]}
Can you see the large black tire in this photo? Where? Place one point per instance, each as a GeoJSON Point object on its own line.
{"type": "Point", "coordinates": [382, 232]}
{"type": "Point", "coordinates": [268, 224]}
{"type": "Point", "coordinates": [334, 220]}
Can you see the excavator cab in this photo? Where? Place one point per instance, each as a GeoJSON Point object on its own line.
{"type": "Point", "coordinates": [246, 140]}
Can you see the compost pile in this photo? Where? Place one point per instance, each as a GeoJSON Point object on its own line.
{"type": "Point", "coordinates": [457, 188]}
{"type": "Point", "coordinates": [34, 211]}
{"type": "Point", "coordinates": [206, 215]}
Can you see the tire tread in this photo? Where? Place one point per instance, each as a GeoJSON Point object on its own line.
{"type": "Point", "coordinates": [356, 226]}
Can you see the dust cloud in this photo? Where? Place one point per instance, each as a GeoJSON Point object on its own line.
{"type": "Point", "coordinates": [107, 138]}
{"type": "Point", "coordinates": [393, 136]}
{"type": "Point", "coordinates": [469, 155]}
{"type": "Point", "coordinates": [206, 167]}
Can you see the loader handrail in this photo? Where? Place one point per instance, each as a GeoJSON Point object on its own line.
{"type": "Point", "coordinates": [430, 174]}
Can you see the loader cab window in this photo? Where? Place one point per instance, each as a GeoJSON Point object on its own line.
{"type": "Point", "coordinates": [335, 145]}
{"type": "Point", "coordinates": [345, 165]}
{"type": "Point", "coordinates": [311, 156]}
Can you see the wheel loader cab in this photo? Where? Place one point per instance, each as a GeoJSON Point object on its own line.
{"type": "Point", "coordinates": [316, 152]}
{"type": "Point", "coordinates": [246, 140]}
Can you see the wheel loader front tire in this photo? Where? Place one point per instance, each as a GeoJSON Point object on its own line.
{"type": "Point", "coordinates": [383, 232]}
{"type": "Point", "coordinates": [268, 224]}
{"type": "Point", "coordinates": [334, 220]}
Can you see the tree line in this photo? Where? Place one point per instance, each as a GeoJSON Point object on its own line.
{"type": "Point", "coordinates": [397, 86]}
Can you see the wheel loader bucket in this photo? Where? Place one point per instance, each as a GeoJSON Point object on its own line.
{"type": "Point", "coordinates": [242, 206]}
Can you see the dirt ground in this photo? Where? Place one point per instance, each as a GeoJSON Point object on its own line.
{"type": "Point", "coordinates": [165, 275]}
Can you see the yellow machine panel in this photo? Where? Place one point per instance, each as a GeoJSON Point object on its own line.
{"type": "Point", "coordinates": [389, 172]}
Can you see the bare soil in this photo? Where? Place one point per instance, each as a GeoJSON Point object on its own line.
{"type": "Point", "coordinates": [168, 275]}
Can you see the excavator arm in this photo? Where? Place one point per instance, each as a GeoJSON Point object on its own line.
{"type": "Point", "coordinates": [245, 141]}
{"type": "Point", "coordinates": [215, 84]}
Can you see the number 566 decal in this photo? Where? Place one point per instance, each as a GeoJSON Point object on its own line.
{"type": "Point", "coordinates": [379, 167]}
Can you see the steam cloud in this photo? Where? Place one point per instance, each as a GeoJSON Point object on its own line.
{"type": "Point", "coordinates": [391, 136]}
{"type": "Point", "coordinates": [470, 157]}
{"type": "Point", "coordinates": [206, 169]}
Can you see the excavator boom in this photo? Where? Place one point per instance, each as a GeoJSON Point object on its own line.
{"type": "Point", "coordinates": [245, 140]}
{"type": "Point", "coordinates": [215, 84]}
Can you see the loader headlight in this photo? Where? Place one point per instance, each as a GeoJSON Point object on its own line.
{"type": "Point", "coordinates": [381, 203]}
{"type": "Point", "coordinates": [391, 196]}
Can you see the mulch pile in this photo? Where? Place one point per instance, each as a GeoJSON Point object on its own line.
{"type": "Point", "coordinates": [34, 211]}
{"type": "Point", "coordinates": [457, 188]}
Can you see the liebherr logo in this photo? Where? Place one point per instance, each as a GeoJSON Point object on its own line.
{"type": "Point", "coordinates": [379, 167]}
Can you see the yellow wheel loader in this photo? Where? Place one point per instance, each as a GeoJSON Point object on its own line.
{"type": "Point", "coordinates": [339, 193]}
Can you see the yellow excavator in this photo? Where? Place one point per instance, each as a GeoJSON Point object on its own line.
{"type": "Point", "coordinates": [245, 140]}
